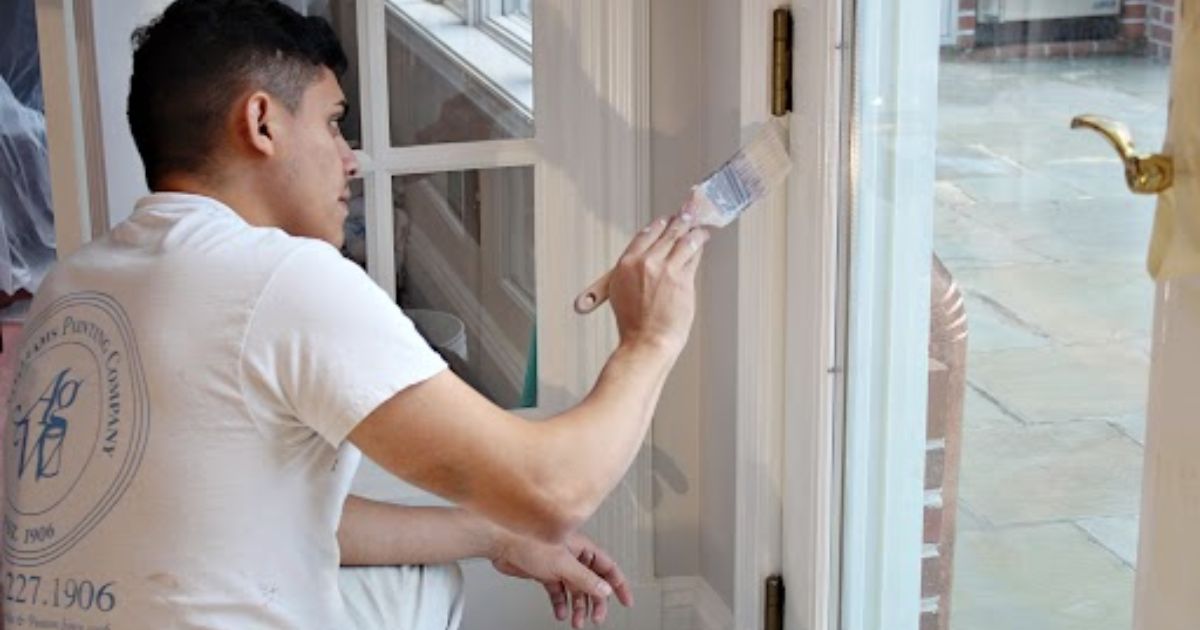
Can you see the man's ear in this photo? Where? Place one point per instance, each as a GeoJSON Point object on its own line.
{"type": "Point", "coordinates": [260, 122]}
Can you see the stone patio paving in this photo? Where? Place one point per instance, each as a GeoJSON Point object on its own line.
{"type": "Point", "coordinates": [1048, 246]}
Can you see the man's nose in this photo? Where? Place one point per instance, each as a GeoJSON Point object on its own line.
{"type": "Point", "coordinates": [349, 160]}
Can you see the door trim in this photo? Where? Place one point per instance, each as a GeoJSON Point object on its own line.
{"type": "Point", "coordinates": [690, 603]}
{"type": "Point", "coordinates": [66, 45]}
{"type": "Point", "coordinates": [760, 357]}
{"type": "Point", "coordinates": [814, 364]}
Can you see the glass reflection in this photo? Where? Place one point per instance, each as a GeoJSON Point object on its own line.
{"type": "Point", "coordinates": [465, 273]}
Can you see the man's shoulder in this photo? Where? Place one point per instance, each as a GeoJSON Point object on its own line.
{"type": "Point", "coordinates": [189, 223]}
{"type": "Point", "coordinates": [320, 266]}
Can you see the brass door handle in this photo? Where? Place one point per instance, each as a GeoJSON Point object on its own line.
{"type": "Point", "coordinates": [1145, 174]}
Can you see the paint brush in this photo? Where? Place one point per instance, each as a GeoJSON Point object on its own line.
{"type": "Point", "coordinates": [742, 181]}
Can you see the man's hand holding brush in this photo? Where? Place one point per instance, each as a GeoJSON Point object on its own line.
{"type": "Point", "coordinates": [652, 287]}
{"type": "Point", "coordinates": [745, 179]}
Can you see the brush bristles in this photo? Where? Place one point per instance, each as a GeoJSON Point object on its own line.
{"type": "Point", "coordinates": [748, 177]}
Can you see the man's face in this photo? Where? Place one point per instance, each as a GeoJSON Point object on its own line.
{"type": "Point", "coordinates": [318, 164]}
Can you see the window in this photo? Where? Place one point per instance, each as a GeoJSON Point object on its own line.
{"type": "Point", "coordinates": [454, 80]}
{"type": "Point", "coordinates": [508, 22]}
{"type": "Point", "coordinates": [434, 219]}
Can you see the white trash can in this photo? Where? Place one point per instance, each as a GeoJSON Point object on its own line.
{"type": "Point", "coordinates": [445, 332]}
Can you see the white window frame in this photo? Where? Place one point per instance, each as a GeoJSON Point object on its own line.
{"type": "Point", "coordinates": [73, 124]}
{"type": "Point", "coordinates": [490, 60]}
{"type": "Point", "coordinates": [461, 8]}
{"type": "Point", "coordinates": [580, 227]}
{"type": "Point", "coordinates": [499, 19]}
{"type": "Point", "coordinates": [814, 364]}
{"type": "Point", "coordinates": [513, 31]}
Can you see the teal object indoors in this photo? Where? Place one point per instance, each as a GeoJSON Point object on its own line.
{"type": "Point", "coordinates": [529, 393]}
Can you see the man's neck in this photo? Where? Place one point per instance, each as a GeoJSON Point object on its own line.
{"type": "Point", "coordinates": [243, 202]}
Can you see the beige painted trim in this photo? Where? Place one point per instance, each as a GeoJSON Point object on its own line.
{"type": "Point", "coordinates": [1167, 592]}
{"type": "Point", "coordinates": [689, 603]}
{"type": "Point", "coordinates": [812, 460]}
{"type": "Point", "coordinates": [371, 22]}
{"type": "Point", "coordinates": [789, 470]}
{"type": "Point", "coordinates": [67, 118]}
{"type": "Point", "coordinates": [762, 272]}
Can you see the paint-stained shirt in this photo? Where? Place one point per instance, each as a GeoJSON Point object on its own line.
{"type": "Point", "coordinates": [175, 453]}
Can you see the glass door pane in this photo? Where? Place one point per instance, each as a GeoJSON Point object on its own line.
{"type": "Point", "coordinates": [1047, 247]}
{"type": "Point", "coordinates": [466, 276]}
{"type": "Point", "coordinates": [1039, 309]}
{"type": "Point", "coordinates": [342, 16]}
{"type": "Point", "coordinates": [456, 240]}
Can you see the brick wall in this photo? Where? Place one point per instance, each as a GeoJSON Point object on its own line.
{"type": "Point", "coordinates": [1146, 26]}
{"type": "Point", "coordinates": [966, 24]}
{"type": "Point", "coordinates": [1160, 27]}
{"type": "Point", "coordinates": [1133, 19]}
{"type": "Point", "coordinates": [943, 445]}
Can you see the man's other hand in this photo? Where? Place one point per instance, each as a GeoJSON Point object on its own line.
{"type": "Point", "coordinates": [577, 573]}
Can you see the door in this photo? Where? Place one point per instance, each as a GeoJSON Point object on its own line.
{"type": "Point", "coordinates": [1025, 508]}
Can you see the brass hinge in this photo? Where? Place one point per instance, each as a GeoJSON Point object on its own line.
{"type": "Point", "coordinates": [781, 63]}
{"type": "Point", "coordinates": [773, 617]}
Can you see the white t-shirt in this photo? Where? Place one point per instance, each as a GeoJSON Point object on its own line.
{"type": "Point", "coordinates": [175, 451]}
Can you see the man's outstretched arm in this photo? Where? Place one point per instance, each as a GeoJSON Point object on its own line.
{"type": "Point", "coordinates": [578, 576]}
{"type": "Point", "coordinates": [545, 478]}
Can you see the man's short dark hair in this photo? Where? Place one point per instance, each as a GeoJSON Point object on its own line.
{"type": "Point", "coordinates": [192, 63]}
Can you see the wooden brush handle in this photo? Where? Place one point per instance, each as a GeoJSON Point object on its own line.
{"type": "Point", "coordinates": [593, 296]}
{"type": "Point", "coordinates": [597, 293]}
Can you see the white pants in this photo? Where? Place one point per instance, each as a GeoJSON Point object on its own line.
{"type": "Point", "coordinates": [403, 598]}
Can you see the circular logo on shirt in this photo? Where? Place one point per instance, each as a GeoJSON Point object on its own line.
{"type": "Point", "coordinates": [77, 426]}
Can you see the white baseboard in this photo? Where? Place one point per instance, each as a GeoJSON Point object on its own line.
{"type": "Point", "coordinates": [689, 603]}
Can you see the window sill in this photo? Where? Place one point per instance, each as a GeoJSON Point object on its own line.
{"type": "Point", "coordinates": [507, 75]}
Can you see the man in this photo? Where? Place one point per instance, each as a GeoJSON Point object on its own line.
{"type": "Point", "coordinates": [195, 387]}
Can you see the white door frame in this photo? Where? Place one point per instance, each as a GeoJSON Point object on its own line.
{"type": "Point", "coordinates": [949, 12]}
{"type": "Point", "coordinates": [818, 542]}
{"type": "Point", "coordinates": [760, 356]}
{"type": "Point", "coordinates": [1167, 591]}
{"type": "Point", "coordinates": [67, 47]}
{"type": "Point", "coordinates": [812, 460]}
{"type": "Point", "coordinates": [788, 485]}
{"type": "Point", "coordinates": [1168, 578]}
